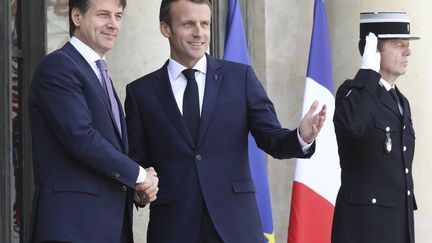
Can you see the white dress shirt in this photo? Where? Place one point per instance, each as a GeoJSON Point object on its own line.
{"type": "Point", "coordinates": [178, 80]}
{"type": "Point", "coordinates": [89, 55]}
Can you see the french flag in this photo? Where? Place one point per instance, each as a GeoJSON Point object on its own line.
{"type": "Point", "coordinates": [317, 180]}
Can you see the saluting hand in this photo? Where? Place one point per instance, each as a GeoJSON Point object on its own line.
{"type": "Point", "coordinates": [311, 124]}
{"type": "Point", "coordinates": [371, 57]}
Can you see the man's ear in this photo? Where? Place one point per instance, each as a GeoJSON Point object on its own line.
{"type": "Point", "coordinates": [76, 16]}
{"type": "Point", "coordinates": [165, 29]}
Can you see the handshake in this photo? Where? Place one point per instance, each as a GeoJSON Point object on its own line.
{"type": "Point", "coordinates": [147, 190]}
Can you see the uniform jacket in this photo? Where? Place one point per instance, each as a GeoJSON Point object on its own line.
{"type": "Point", "coordinates": [82, 173]}
{"type": "Point", "coordinates": [215, 171]}
{"type": "Point", "coordinates": [375, 202]}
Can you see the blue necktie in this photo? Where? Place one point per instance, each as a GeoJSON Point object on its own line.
{"type": "Point", "coordinates": [106, 83]}
{"type": "Point", "coordinates": [191, 110]}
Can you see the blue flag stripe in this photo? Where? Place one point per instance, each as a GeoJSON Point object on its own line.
{"type": "Point", "coordinates": [319, 67]}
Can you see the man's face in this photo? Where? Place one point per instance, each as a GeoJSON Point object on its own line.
{"type": "Point", "coordinates": [394, 58]}
{"type": "Point", "coordinates": [189, 31]}
{"type": "Point", "coordinates": [99, 26]}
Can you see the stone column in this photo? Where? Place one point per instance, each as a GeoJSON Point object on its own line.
{"type": "Point", "coordinates": [287, 33]}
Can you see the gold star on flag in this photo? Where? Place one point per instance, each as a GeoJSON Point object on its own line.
{"type": "Point", "coordinates": [270, 237]}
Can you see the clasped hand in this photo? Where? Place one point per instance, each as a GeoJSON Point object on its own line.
{"type": "Point", "coordinates": [148, 189]}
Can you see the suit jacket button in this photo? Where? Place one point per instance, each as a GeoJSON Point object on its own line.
{"type": "Point", "coordinates": [374, 200]}
{"type": "Point", "coordinates": [404, 148]}
{"type": "Point", "coordinates": [198, 157]}
{"type": "Point", "coordinates": [408, 192]}
{"type": "Point", "coordinates": [406, 170]}
{"type": "Point", "coordinates": [124, 188]}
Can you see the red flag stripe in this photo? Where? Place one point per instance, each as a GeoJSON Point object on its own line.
{"type": "Point", "coordinates": [310, 212]}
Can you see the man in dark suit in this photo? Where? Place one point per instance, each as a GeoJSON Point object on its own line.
{"type": "Point", "coordinates": [375, 136]}
{"type": "Point", "coordinates": [190, 120]}
{"type": "Point", "coordinates": [84, 180]}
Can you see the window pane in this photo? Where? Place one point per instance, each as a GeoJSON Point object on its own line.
{"type": "Point", "coordinates": [57, 24]}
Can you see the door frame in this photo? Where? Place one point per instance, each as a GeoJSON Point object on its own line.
{"type": "Point", "coordinates": [31, 17]}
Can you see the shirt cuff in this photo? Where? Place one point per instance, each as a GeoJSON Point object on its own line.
{"type": "Point", "coordinates": [304, 146]}
{"type": "Point", "coordinates": [142, 175]}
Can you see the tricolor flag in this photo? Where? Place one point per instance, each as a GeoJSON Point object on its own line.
{"type": "Point", "coordinates": [236, 51]}
{"type": "Point", "coordinates": [317, 180]}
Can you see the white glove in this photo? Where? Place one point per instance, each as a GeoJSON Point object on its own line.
{"type": "Point", "coordinates": [371, 58]}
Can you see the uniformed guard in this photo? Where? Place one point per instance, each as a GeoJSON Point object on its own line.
{"type": "Point", "coordinates": [375, 136]}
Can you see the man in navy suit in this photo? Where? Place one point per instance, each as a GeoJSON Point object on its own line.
{"type": "Point", "coordinates": [190, 120]}
{"type": "Point", "coordinates": [84, 180]}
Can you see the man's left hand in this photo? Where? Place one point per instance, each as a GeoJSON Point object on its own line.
{"type": "Point", "coordinates": [311, 124]}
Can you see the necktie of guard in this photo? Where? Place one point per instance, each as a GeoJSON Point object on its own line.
{"type": "Point", "coordinates": [395, 97]}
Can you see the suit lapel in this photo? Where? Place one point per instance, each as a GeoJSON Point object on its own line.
{"type": "Point", "coordinates": [108, 105]}
{"type": "Point", "coordinates": [213, 82]}
{"type": "Point", "coordinates": [89, 73]}
{"type": "Point", "coordinates": [388, 102]}
{"type": "Point", "coordinates": [95, 83]}
{"type": "Point", "coordinates": [165, 95]}
{"type": "Point", "coordinates": [123, 135]}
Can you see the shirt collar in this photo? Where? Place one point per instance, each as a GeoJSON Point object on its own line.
{"type": "Point", "coordinates": [386, 84]}
{"type": "Point", "coordinates": [89, 54]}
{"type": "Point", "coordinates": [175, 68]}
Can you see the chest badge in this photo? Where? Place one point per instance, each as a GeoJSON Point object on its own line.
{"type": "Point", "coordinates": [388, 141]}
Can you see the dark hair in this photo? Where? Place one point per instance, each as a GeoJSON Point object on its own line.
{"type": "Point", "coordinates": [164, 12]}
{"type": "Point", "coordinates": [82, 6]}
{"type": "Point", "coordinates": [362, 43]}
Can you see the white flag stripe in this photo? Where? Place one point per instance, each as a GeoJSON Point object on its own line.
{"type": "Point", "coordinates": [321, 172]}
